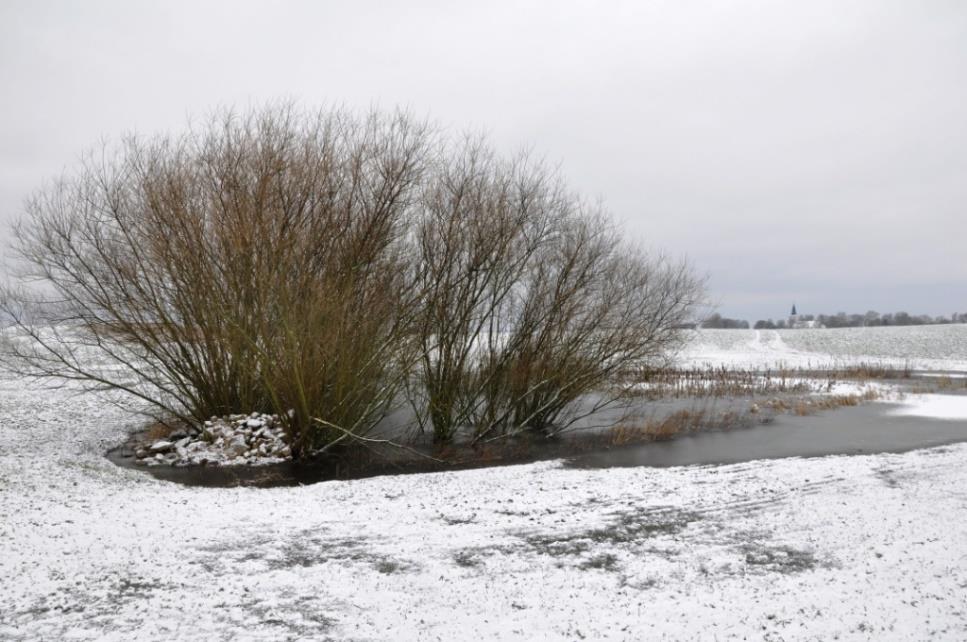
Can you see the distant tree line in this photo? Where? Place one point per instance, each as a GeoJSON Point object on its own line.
{"type": "Point", "coordinates": [718, 322]}
{"type": "Point", "coordinates": [870, 319]}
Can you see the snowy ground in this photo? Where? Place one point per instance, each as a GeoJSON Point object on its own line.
{"type": "Point", "coordinates": [940, 347]}
{"type": "Point", "coordinates": [870, 547]}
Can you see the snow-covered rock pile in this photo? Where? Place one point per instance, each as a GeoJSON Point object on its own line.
{"type": "Point", "coordinates": [232, 440]}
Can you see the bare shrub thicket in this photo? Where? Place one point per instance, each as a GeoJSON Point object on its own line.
{"type": "Point", "coordinates": [254, 265]}
{"type": "Point", "coordinates": [592, 309]}
{"type": "Point", "coordinates": [324, 267]}
{"type": "Point", "coordinates": [481, 222]}
{"type": "Point", "coordinates": [532, 301]}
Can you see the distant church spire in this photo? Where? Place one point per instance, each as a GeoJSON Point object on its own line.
{"type": "Point", "coordinates": [793, 309]}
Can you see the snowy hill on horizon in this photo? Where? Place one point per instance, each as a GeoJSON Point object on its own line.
{"type": "Point", "coordinates": [935, 347]}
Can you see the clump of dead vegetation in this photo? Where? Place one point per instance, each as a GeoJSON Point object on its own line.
{"type": "Point", "coordinates": [725, 382]}
{"type": "Point", "coordinates": [808, 405]}
{"type": "Point", "coordinates": [871, 371]}
{"type": "Point", "coordinates": [677, 423]}
{"type": "Point", "coordinates": [945, 382]}
{"type": "Point", "coordinates": [707, 417]}
{"type": "Point", "coordinates": [721, 381]}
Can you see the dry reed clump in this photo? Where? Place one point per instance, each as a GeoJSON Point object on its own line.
{"type": "Point", "coordinates": [872, 371]}
{"type": "Point", "coordinates": [723, 381]}
{"type": "Point", "coordinates": [946, 382]}
{"type": "Point", "coordinates": [695, 420]}
{"type": "Point", "coordinates": [677, 423]}
{"type": "Point", "coordinates": [803, 406]}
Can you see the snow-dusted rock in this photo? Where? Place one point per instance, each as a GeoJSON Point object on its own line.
{"type": "Point", "coordinates": [234, 439]}
{"type": "Point", "coordinates": [161, 446]}
{"type": "Point", "coordinates": [236, 445]}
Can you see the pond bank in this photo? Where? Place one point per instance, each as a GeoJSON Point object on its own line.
{"type": "Point", "coordinates": [678, 432]}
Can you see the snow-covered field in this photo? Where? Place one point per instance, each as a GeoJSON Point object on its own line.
{"type": "Point", "coordinates": [871, 547]}
{"type": "Point", "coordinates": [939, 347]}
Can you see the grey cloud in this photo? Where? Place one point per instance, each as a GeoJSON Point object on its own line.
{"type": "Point", "coordinates": [808, 150]}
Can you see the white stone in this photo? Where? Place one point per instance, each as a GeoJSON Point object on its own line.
{"type": "Point", "coordinates": [236, 446]}
{"type": "Point", "coordinates": [161, 446]}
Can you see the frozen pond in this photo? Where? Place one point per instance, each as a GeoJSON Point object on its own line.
{"type": "Point", "coordinates": [932, 420]}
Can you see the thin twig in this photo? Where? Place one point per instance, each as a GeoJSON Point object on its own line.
{"type": "Point", "coordinates": [370, 440]}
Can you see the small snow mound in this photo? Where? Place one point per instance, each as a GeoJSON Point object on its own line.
{"type": "Point", "coordinates": [161, 446]}
{"type": "Point", "coordinates": [934, 407]}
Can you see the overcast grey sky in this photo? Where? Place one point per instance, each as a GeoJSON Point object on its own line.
{"type": "Point", "coordinates": [813, 151]}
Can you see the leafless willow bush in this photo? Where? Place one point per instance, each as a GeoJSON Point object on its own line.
{"type": "Point", "coordinates": [591, 309]}
{"type": "Point", "coordinates": [482, 220]}
{"type": "Point", "coordinates": [254, 264]}
{"type": "Point", "coordinates": [532, 301]}
{"type": "Point", "coordinates": [325, 266]}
